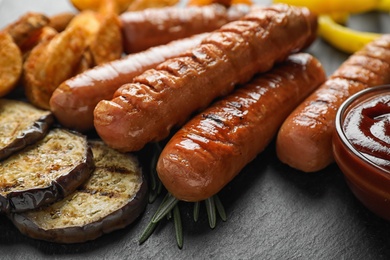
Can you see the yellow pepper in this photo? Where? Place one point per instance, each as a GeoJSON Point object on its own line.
{"type": "Point", "coordinates": [331, 6]}
{"type": "Point", "coordinates": [384, 5]}
{"type": "Point", "coordinates": [341, 37]}
{"type": "Point", "coordinates": [331, 27]}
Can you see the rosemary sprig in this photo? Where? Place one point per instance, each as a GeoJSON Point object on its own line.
{"type": "Point", "coordinates": [169, 206]}
{"type": "Point", "coordinates": [148, 231]}
{"type": "Point", "coordinates": [165, 207]}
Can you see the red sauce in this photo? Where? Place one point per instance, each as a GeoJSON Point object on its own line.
{"type": "Point", "coordinates": [367, 126]}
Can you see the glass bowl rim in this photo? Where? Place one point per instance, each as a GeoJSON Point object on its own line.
{"type": "Point", "coordinates": [339, 120]}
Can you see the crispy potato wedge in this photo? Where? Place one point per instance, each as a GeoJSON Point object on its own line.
{"type": "Point", "coordinates": [113, 197]}
{"type": "Point", "coordinates": [86, 62]}
{"type": "Point", "coordinates": [26, 27]}
{"type": "Point", "coordinates": [51, 62]}
{"type": "Point", "coordinates": [104, 36]}
{"type": "Point", "coordinates": [11, 62]}
{"type": "Point", "coordinates": [47, 33]}
{"type": "Point", "coordinates": [107, 43]}
{"type": "Point", "coordinates": [119, 6]}
{"type": "Point", "coordinates": [60, 21]}
{"type": "Point", "coordinates": [87, 21]}
{"type": "Point", "coordinates": [89, 39]}
{"type": "Point", "coordinates": [138, 5]}
{"type": "Point", "coordinates": [223, 2]}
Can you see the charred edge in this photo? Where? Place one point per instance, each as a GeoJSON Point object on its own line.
{"type": "Point", "coordinates": [31, 135]}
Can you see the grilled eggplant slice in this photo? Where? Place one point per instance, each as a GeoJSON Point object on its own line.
{"type": "Point", "coordinates": [111, 199]}
{"type": "Point", "coordinates": [45, 171]}
{"type": "Point", "coordinates": [21, 124]}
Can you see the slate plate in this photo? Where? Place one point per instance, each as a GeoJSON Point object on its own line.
{"type": "Point", "coordinates": [274, 212]}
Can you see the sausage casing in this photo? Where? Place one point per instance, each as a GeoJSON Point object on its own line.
{"type": "Point", "coordinates": [78, 96]}
{"type": "Point", "coordinates": [304, 141]}
{"type": "Point", "coordinates": [214, 146]}
{"type": "Point", "coordinates": [156, 26]}
{"type": "Point", "coordinates": [160, 98]}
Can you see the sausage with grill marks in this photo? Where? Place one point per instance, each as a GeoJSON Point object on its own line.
{"type": "Point", "coordinates": [214, 146]}
{"type": "Point", "coordinates": [77, 97]}
{"type": "Point", "coordinates": [157, 26]}
{"type": "Point", "coordinates": [304, 142]}
{"type": "Point", "coordinates": [160, 98]}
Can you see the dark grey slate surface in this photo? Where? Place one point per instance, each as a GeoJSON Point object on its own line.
{"type": "Point", "coordinates": [274, 212]}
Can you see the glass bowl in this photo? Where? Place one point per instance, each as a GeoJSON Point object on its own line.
{"type": "Point", "coordinates": [361, 147]}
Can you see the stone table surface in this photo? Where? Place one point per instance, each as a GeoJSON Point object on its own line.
{"type": "Point", "coordinates": [274, 212]}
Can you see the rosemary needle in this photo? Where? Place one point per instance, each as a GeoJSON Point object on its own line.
{"type": "Point", "coordinates": [211, 212]}
{"type": "Point", "coordinates": [167, 205]}
{"type": "Point", "coordinates": [178, 226]}
{"type": "Point", "coordinates": [148, 231]}
{"type": "Point", "coordinates": [196, 211]}
{"type": "Point", "coordinates": [220, 208]}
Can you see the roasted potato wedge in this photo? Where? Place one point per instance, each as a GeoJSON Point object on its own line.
{"type": "Point", "coordinates": [21, 124]}
{"type": "Point", "coordinates": [87, 21]}
{"type": "Point", "coordinates": [107, 43]}
{"type": "Point", "coordinates": [118, 6]}
{"type": "Point", "coordinates": [11, 61]}
{"type": "Point", "coordinates": [27, 27]}
{"type": "Point", "coordinates": [51, 62]}
{"type": "Point", "coordinates": [45, 171]}
{"type": "Point", "coordinates": [112, 198]}
{"type": "Point", "coordinates": [222, 2]}
{"type": "Point", "coordinates": [61, 20]}
{"type": "Point", "coordinates": [138, 5]}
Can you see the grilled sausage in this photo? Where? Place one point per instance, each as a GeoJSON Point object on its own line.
{"type": "Point", "coordinates": [157, 26]}
{"type": "Point", "coordinates": [161, 98]}
{"type": "Point", "coordinates": [78, 96]}
{"type": "Point", "coordinates": [305, 140]}
{"type": "Point", "coordinates": [214, 146]}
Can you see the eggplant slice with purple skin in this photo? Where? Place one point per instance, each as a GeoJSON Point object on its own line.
{"type": "Point", "coordinates": [45, 171]}
{"type": "Point", "coordinates": [21, 124]}
{"type": "Point", "coordinates": [113, 197]}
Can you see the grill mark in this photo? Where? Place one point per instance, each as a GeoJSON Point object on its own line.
{"type": "Point", "coordinates": [211, 50]}
{"type": "Point", "coordinates": [110, 194]}
{"type": "Point", "coordinates": [115, 168]}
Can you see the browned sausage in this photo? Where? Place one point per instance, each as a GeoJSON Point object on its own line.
{"type": "Point", "coordinates": [305, 140]}
{"type": "Point", "coordinates": [161, 98]}
{"type": "Point", "coordinates": [214, 146]}
{"type": "Point", "coordinates": [74, 100]}
{"type": "Point", "coordinates": [157, 26]}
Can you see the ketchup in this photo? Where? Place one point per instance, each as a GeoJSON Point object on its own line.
{"type": "Point", "coordinates": [367, 126]}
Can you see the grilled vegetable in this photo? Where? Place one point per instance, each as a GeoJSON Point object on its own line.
{"type": "Point", "coordinates": [10, 63]}
{"type": "Point", "coordinates": [21, 124]}
{"type": "Point", "coordinates": [26, 28]}
{"type": "Point", "coordinates": [112, 198]}
{"type": "Point", "coordinates": [44, 172]}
